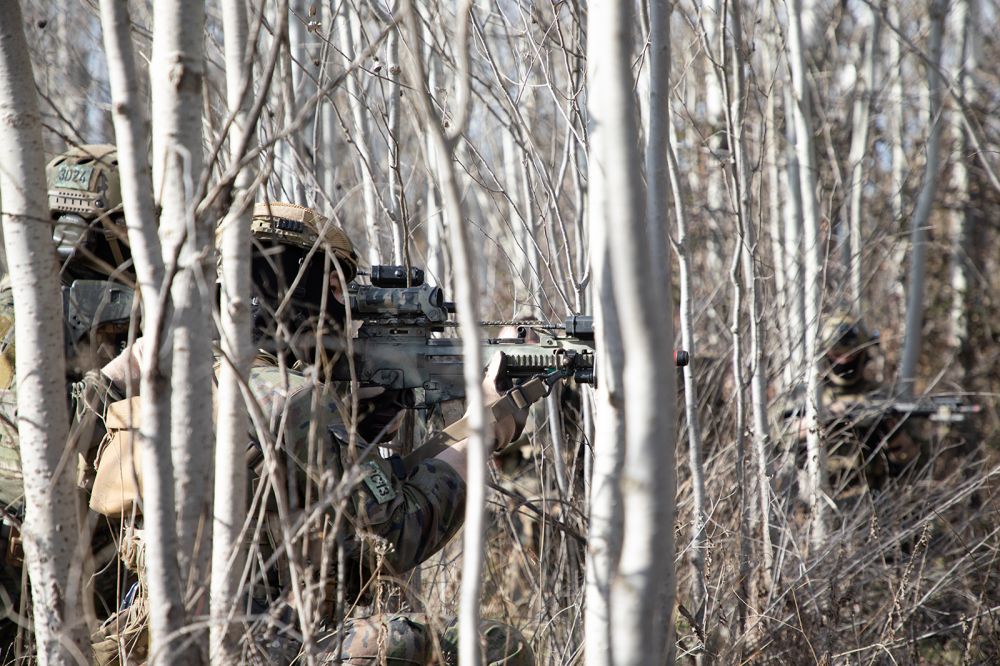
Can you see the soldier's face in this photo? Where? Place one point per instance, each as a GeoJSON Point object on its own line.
{"type": "Point", "coordinates": [336, 288]}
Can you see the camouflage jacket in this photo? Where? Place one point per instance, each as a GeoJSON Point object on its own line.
{"type": "Point", "coordinates": [406, 518]}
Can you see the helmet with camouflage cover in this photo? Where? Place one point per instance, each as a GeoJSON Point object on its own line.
{"type": "Point", "coordinates": [845, 342]}
{"type": "Point", "coordinates": [86, 204]}
{"type": "Point", "coordinates": [298, 226]}
{"type": "Point", "coordinates": [290, 268]}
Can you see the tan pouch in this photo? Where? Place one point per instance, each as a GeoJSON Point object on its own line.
{"type": "Point", "coordinates": [118, 481]}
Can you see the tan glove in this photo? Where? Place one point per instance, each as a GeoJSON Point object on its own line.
{"type": "Point", "coordinates": [496, 383]}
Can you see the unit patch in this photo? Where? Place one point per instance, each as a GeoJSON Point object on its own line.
{"type": "Point", "coordinates": [378, 483]}
{"type": "Point", "coordinates": [74, 176]}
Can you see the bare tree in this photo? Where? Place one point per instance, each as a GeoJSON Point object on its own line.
{"type": "Point", "coordinates": [232, 422]}
{"type": "Point", "coordinates": [963, 223]}
{"type": "Point", "coordinates": [642, 589]}
{"type": "Point", "coordinates": [51, 528]}
{"type": "Point", "coordinates": [467, 292]}
{"type": "Point", "coordinates": [176, 68]}
{"type": "Point", "coordinates": [861, 113]}
{"type": "Point", "coordinates": [816, 457]}
{"type": "Point", "coordinates": [921, 216]}
{"type": "Point", "coordinates": [699, 500]}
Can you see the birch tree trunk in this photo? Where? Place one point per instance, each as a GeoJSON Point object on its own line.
{"type": "Point", "coordinates": [604, 538]}
{"type": "Point", "coordinates": [688, 342]}
{"type": "Point", "coordinates": [397, 196]}
{"type": "Point", "coordinates": [326, 146]}
{"type": "Point", "coordinates": [962, 222]}
{"type": "Point", "coordinates": [925, 202]}
{"type": "Point", "coordinates": [897, 129]}
{"type": "Point", "coordinates": [176, 69]}
{"type": "Point", "coordinates": [856, 159]}
{"type": "Point", "coordinates": [776, 232]}
{"type": "Point", "coordinates": [437, 255]}
{"type": "Point", "coordinates": [51, 529]}
{"type": "Point", "coordinates": [361, 137]}
{"type": "Point", "coordinates": [236, 341]}
{"type": "Point", "coordinates": [131, 129]}
{"type": "Point", "coordinates": [467, 305]}
{"type": "Point", "coordinates": [793, 267]}
{"type": "Point", "coordinates": [749, 260]}
{"type": "Point", "coordinates": [816, 456]}
{"type": "Point", "coordinates": [643, 584]}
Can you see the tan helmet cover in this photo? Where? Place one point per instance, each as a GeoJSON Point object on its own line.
{"type": "Point", "coordinates": [841, 324]}
{"type": "Point", "coordinates": [84, 180]}
{"type": "Point", "coordinates": [291, 224]}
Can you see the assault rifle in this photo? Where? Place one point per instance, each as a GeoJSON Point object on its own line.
{"type": "Point", "coordinates": [938, 408]}
{"type": "Point", "coordinates": [396, 348]}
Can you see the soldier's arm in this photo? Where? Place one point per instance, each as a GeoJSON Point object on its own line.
{"type": "Point", "coordinates": [498, 434]}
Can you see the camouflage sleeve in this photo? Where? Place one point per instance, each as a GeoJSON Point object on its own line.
{"type": "Point", "coordinates": [415, 516]}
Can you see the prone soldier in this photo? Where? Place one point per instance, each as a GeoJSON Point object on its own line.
{"type": "Point", "coordinates": [867, 442]}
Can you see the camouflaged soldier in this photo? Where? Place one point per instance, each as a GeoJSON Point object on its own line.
{"type": "Point", "coordinates": [96, 274]}
{"type": "Point", "coordinates": [865, 446]}
{"type": "Point", "coordinates": [395, 520]}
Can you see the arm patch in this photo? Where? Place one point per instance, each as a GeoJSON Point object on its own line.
{"type": "Point", "coordinates": [378, 483]}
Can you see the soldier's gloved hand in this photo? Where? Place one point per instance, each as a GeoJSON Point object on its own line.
{"type": "Point", "coordinates": [496, 384]}
{"type": "Point", "coordinates": [378, 412]}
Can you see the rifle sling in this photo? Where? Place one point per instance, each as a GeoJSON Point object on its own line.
{"type": "Point", "coordinates": [511, 402]}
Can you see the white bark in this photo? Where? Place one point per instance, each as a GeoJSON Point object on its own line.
{"type": "Point", "coordinates": [925, 202]}
{"type": "Point", "coordinates": [51, 528]}
{"type": "Point", "coordinates": [749, 260]}
{"type": "Point", "coordinates": [236, 342]}
{"type": "Point", "coordinates": [967, 23]}
{"type": "Point", "coordinates": [864, 92]}
{"type": "Point", "coordinates": [699, 504]}
{"type": "Point", "coordinates": [438, 267]}
{"type": "Point", "coordinates": [816, 456]}
{"type": "Point", "coordinates": [361, 137]}
{"type": "Point", "coordinates": [897, 129]}
{"type": "Point", "coordinates": [176, 69]}
{"type": "Point", "coordinates": [467, 305]}
{"type": "Point", "coordinates": [326, 146]}
{"type": "Point", "coordinates": [793, 266]}
{"type": "Point", "coordinates": [779, 260]}
{"type": "Point", "coordinates": [400, 252]}
{"type": "Point", "coordinates": [604, 539]}
{"type": "Point", "coordinates": [131, 129]}
{"type": "Point", "coordinates": [643, 585]}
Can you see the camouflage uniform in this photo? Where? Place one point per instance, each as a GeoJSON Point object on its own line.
{"type": "Point", "coordinates": [403, 639]}
{"type": "Point", "coordinates": [865, 445]}
{"type": "Point", "coordinates": [395, 521]}
{"type": "Point", "coordinates": [396, 524]}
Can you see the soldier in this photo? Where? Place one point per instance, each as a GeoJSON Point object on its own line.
{"type": "Point", "coordinates": [96, 275]}
{"type": "Point", "coordinates": [396, 519]}
{"type": "Point", "coordinates": [865, 445]}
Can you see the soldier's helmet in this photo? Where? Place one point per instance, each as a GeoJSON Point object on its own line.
{"type": "Point", "coordinates": [296, 252]}
{"type": "Point", "coordinates": [846, 342]}
{"type": "Point", "coordinates": [85, 203]}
